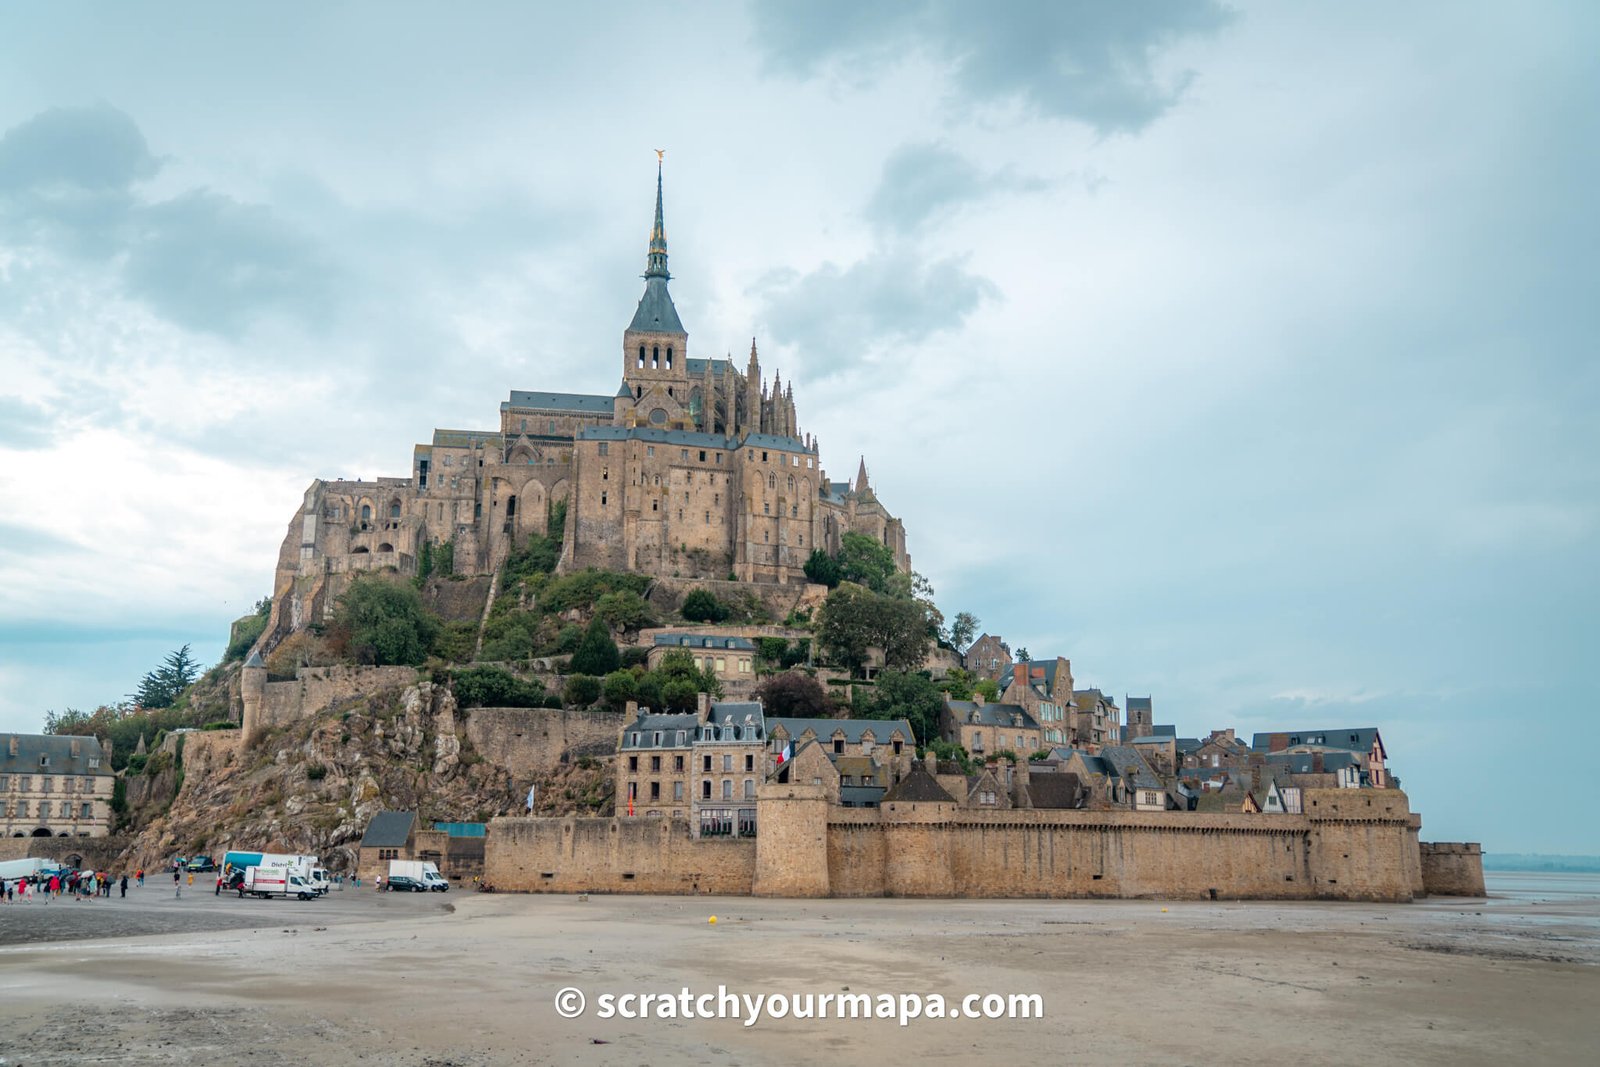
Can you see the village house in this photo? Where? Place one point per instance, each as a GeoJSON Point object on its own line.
{"type": "Point", "coordinates": [1030, 689]}
{"type": "Point", "coordinates": [1364, 741]}
{"type": "Point", "coordinates": [730, 659]}
{"type": "Point", "coordinates": [989, 657]}
{"type": "Point", "coordinates": [702, 765]}
{"type": "Point", "coordinates": [985, 729]}
{"type": "Point", "coordinates": [55, 786]}
{"type": "Point", "coordinates": [890, 743]}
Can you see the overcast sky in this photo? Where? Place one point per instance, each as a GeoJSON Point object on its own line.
{"type": "Point", "coordinates": [1245, 355]}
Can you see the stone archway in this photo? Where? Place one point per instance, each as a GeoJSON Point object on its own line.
{"type": "Point", "coordinates": [42, 832]}
{"type": "Point", "coordinates": [73, 860]}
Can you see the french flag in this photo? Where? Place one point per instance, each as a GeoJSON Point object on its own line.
{"type": "Point", "coordinates": [783, 757]}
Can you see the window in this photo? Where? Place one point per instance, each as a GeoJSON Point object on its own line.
{"type": "Point", "coordinates": [605, 448]}
{"type": "Point", "coordinates": [727, 761]}
{"type": "Point", "coordinates": [702, 455]}
{"type": "Point", "coordinates": [649, 450]}
{"type": "Point", "coordinates": [705, 764]}
{"type": "Point", "coordinates": [633, 761]}
{"type": "Point", "coordinates": [749, 762]}
{"type": "Point", "coordinates": [727, 789]}
{"type": "Point", "coordinates": [838, 745]}
{"type": "Point", "coordinates": [677, 787]}
{"type": "Point", "coordinates": [655, 763]}
{"type": "Point", "coordinates": [44, 761]}
{"type": "Point", "coordinates": [84, 814]}
{"type": "Point", "coordinates": [677, 761]}
{"type": "Point", "coordinates": [602, 500]}
{"type": "Point", "coordinates": [655, 790]}
{"type": "Point", "coordinates": [705, 786]}
{"type": "Point", "coordinates": [749, 789]}
{"type": "Point", "coordinates": [46, 783]}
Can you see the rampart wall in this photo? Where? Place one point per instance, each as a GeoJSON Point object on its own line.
{"type": "Point", "coordinates": [540, 739]}
{"type": "Point", "coordinates": [1452, 868]}
{"type": "Point", "coordinates": [1353, 848]}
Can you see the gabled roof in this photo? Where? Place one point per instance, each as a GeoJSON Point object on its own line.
{"type": "Point", "coordinates": [707, 641]}
{"type": "Point", "coordinates": [1304, 762]}
{"type": "Point", "coordinates": [1130, 766]}
{"type": "Point", "coordinates": [697, 367]}
{"type": "Point", "coordinates": [587, 403]}
{"type": "Point", "coordinates": [1008, 716]}
{"type": "Point", "coordinates": [31, 748]}
{"type": "Point", "coordinates": [642, 732]}
{"type": "Point", "coordinates": [1138, 703]}
{"type": "Point", "coordinates": [389, 829]}
{"type": "Point", "coordinates": [824, 729]}
{"type": "Point", "coordinates": [919, 785]}
{"type": "Point", "coordinates": [1350, 738]}
{"type": "Point", "coordinates": [768, 440]}
{"type": "Point", "coordinates": [1059, 790]}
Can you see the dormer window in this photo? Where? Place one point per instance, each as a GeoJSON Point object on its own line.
{"type": "Point", "coordinates": [44, 761]}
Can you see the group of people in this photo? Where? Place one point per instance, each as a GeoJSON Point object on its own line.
{"type": "Point", "coordinates": [79, 885]}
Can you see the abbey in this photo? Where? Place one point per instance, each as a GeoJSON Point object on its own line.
{"type": "Point", "coordinates": [691, 468]}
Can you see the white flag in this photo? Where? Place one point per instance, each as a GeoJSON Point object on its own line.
{"type": "Point", "coordinates": [531, 790]}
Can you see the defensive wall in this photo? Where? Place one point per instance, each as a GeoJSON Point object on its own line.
{"type": "Point", "coordinates": [540, 739]}
{"type": "Point", "coordinates": [1452, 868]}
{"type": "Point", "coordinates": [313, 690]}
{"type": "Point", "coordinates": [85, 853]}
{"type": "Point", "coordinates": [1351, 845]}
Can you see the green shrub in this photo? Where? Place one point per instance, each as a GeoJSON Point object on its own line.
{"type": "Point", "coordinates": [492, 687]}
{"type": "Point", "coordinates": [624, 610]}
{"type": "Point", "coordinates": [702, 606]}
{"type": "Point", "coordinates": [597, 654]}
{"type": "Point", "coordinates": [635, 656]}
{"type": "Point", "coordinates": [316, 772]}
{"type": "Point", "coordinates": [582, 690]}
{"type": "Point", "coordinates": [222, 724]}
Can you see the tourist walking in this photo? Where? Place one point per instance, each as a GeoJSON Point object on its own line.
{"type": "Point", "coordinates": [218, 893]}
{"type": "Point", "coordinates": [139, 876]}
{"type": "Point", "coordinates": [124, 883]}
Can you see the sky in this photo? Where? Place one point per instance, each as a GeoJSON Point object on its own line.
{"type": "Point", "coordinates": [1245, 354]}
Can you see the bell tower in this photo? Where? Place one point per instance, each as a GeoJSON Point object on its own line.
{"type": "Point", "coordinates": [655, 356]}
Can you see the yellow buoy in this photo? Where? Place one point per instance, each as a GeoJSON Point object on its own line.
{"type": "Point", "coordinates": [712, 920]}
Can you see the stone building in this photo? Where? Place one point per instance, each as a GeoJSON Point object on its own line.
{"type": "Point", "coordinates": [730, 659]}
{"type": "Point", "coordinates": [984, 729]}
{"type": "Point", "coordinates": [889, 743]}
{"type": "Point", "coordinates": [989, 657]}
{"type": "Point", "coordinates": [55, 786]}
{"type": "Point", "coordinates": [694, 467]}
{"type": "Point", "coordinates": [703, 765]}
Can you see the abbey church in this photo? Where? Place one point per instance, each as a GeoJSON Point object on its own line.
{"type": "Point", "coordinates": [692, 468]}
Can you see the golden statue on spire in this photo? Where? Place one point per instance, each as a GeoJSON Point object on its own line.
{"type": "Point", "coordinates": [660, 153]}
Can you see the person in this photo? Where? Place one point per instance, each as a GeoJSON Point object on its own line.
{"type": "Point", "coordinates": [139, 876]}
{"type": "Point", "coordinates": [177, 876]}
{"type": "Point", "coordinates": [218, 893]}
{"type": "Point", "coordinates": [378, 882]}
{"type": "Point", "coordinates": [191, 878]}
{"type": "Point", "coordinates": [124, 883]}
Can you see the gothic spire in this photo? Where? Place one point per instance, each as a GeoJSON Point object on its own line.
{"type": "Point", "coordinates": [656, 263]}
{"type": "Point", "coordinates": [861, 476]}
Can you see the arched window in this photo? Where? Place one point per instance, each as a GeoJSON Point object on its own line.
{"type": "Point", "coordinates": [791, 483]}
{"type": "Point", "coordinates": [641, 357]}
{"type": "Point", "coordinates": [638, 390]}
{"type": "Point", "coordinates": [394, 509]}
{"type": "Point", "coordinates": [669, 357]}
{"type": "Point", "coordinates": [366, 512]}
{"type": "Point", "coordinates": [605, 474]}
{"type": "Point", "coordinates": [511, 507]}
{"type": "Point", "coordinates": [655, 357]}
{"type": "Point", "coordinates": [772, 481]}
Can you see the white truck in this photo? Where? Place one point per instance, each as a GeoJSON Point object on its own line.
{"type": "Point", "coordinates": [267, 882]}
{"type": "Point", "coordinates": [423, 872]}
{"type": "Point", "coordinates": [309, 868]}
{"type": "Point", "coordinates": [17, 870]}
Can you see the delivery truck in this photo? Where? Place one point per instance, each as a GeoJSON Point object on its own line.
{"type": "Point", "coordinates": [268, 882]}
{"type": "Point", "coordinates": [17, 870]}
{"type": "Point", "coordinates": [309, 868]}
{"type": "Point", "coordinates": [423, 872]}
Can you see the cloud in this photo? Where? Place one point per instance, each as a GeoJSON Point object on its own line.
{"type": "Point", "coordinates": [23, 425]}
{"type": "Point", "coordinates": [75, 149]}
{"type": "Point", "coordinates": [928, 179]}
{"type": "Point", "coordinates": [1083, 60]}
{"type": "Point", "coordinates": [202, 259]}
{"type": "Point", "coordinates": [835, 315]}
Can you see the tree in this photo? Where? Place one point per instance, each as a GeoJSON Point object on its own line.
{"type": "Point", "coordinates": [958, 684]}
{"type": "Point", "coordinates": [822, 568]}
{"type": "Point", "coordinates": [866, 561]}
{"type": "Point", "coordinates": [383, 622]}
{"type": "Point", "coordinates": [160, 688]}
{"type": "Point", "coordinates": [1022, 655]}
{"type": "Point", "coordinates": [913, 697]}
{"type": "Point", "coordinates": [963, 630]}
{"type": "Point", "coordinates": [620, 687]}
{"type": "Point", "coordinates": [681, 682]}
{"type": "Point", "coordinates": [854, 620]}
{"type": "Point", "coordinates": [71, 721]}
{"type": "Point", "coordinates": [989, 689]}
{"type": "Point", "coordinates": [701, 606]}
{"type": "Point", "coordinates": [597, 654]}
{"type": "Point", "coordinates": [624, 610]}
{"type": "Point", "coordinates": [582, 690]}
{"type": "Point", "coordinates": [794, 694]}
{"type": "Point", "coordinates": [492, 687]}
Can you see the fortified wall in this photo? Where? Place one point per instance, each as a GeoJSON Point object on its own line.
{"type": "Point", "coordinates": [540, 739]}
{"type": "Point", "coordinates": [313, 690]}
{"type": "Point", "coordinates": [1452, 868]}
{"type": "Point", "coordinates": [1352, 845]}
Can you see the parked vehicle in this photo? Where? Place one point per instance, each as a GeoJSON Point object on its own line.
{"type": "Point", "coordinates": [202, 863]}
{"type": "Point", "coordinates": [400, 883]}
{"type": "Point", "coordinates": [423, 871]}
{"type": "Point", "coordinates": [306, 867]}
{"type": "Point", "coordinates": [16, 870]}
{"type": "Point", "coordinates": [267, 882]}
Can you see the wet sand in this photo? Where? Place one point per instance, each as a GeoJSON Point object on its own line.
{"type": "Point", "coordinates": [470, 979]}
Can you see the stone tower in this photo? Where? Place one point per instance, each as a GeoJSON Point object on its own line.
{"type": "Point", "coordinates": [252, 691]}
{"type": "Point", "coordinates": [655, 346]}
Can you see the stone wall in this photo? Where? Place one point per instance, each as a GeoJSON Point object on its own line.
{"type": "Point", "coordinates": [1354, 848]}
{"type": "Point", "coordinates": [1452, 868]}
{"type": "Point", "coordinates": [617, 855]}
{"type": "Point", "coordinates": [540, 739]}
{"type": "Point", "coordinates": [312, 691]}
{"type": "Point", "coordinates": [85, 853]}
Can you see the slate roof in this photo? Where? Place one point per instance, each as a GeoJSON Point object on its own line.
{"type": "Point", "coordinates": [734, 720]}
{"type": "Point", "coordinates": [768, 440]}
{"type": "Point", "coordinates": [824, 729]}
{"type": "Point", "coordinates": [470, 438]}
{"type": "Point", "coordinates": [697, 367]}
{"type": "Point", "coordinates": [58, 747]}
{"type": "Point", "coordinates": [1303, 762]}
{"type": "Point", "coordinates": [389, 829]}
{"type": "Point", "coordinates": [1351, 738]}
{"type": "Point", "coordinates": [1153, 739]}
{"type": "Point", "coordinates": [1053, 790]}
{"type": "Point", "coordinates": [1186, 745]}
{"type": "Point", "coordinates": [656, 312]}
{"type": "Point", "coordinates": [587, 403]}
{"type": "Point", "coordinates": [691, 438]}
{"type": "Point", "coordinates": [919, 785]}
{"type": "Point", "coordinates": [1138, 703]}
{"type": "Point", "coordinates": [707, 641]}
{"type": "Point", "coordinates": [1130, 766]}
{"type": "Point", "coordinates": [861, 796]}
{"type": "Point", "coordinates": [1009, 716]}
{"type": "Point", "coordinates": [640, 734]}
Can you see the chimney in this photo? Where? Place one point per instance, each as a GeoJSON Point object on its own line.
{"type": "Point", "coordinates": [703, 706]}
{"type": "Point", "coordinates": [977, 698]}
{"type": "Point", "coordinates": [1019, 675]}
{"type": "Point", "coordinates": [631, 711]}
{"type": "Point", "coordinates": [76, 748]}
{"type": "Point", "coordinates": [1316, 763]}
{"type": "Point", "coordinates": [930, 763]}
{"type": "Point", "coordinates": [13, 745]}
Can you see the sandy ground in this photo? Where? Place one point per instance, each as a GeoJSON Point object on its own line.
{"type": "Point", "coordinates": [470, 979]}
